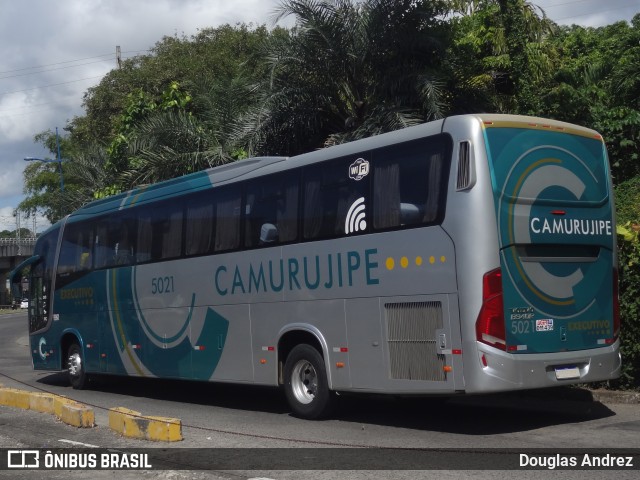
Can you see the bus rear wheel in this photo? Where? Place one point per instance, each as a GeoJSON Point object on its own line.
{"type": "Point", "coordinates": [305, 383]}
{"type": "Point", "coordinates": [75, 367]}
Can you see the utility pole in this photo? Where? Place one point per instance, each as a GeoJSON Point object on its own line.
{"type": "Point", "coordinates": [118, 56]}
{"type": "Point", "coordinates": [18, 226]}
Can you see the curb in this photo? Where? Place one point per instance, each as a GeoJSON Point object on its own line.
{"type": "Point", "coordinates": [615, 397]}
{"type": "Point", "coordinates": [68, 411]}
{"type": "Point", "coordinates": [130, 423]}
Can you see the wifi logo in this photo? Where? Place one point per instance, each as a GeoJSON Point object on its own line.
{"type": "Point", "coordinates": [356, 217]}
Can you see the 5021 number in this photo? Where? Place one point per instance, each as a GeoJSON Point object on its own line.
{"type": "Point", "coordinates": [161, 285]}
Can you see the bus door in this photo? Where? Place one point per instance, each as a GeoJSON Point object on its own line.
{"type": "Point", "coordinates": [45, 354]}
{"type": "Point", "coordinates": [552, 196]}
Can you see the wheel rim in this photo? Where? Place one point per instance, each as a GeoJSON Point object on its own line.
{"type": "Point", "coordinates": [304, 381]}
{"type": "Point", "coordinates": [75, 364]}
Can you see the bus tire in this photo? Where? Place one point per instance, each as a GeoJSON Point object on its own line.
{"type": "Point", "coordinates": [305, 383]}
{"type": "Point", "coordinates": [75, 367]}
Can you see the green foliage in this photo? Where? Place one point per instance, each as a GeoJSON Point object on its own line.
{"type": "Point", "coordinates": [597, 84]}
{"type": "Point", "coordinates": [627, 195]}
{"type": "Point", "coordinates": [629, 275]}
{"type": "Point", "coordinates": [140, 106]}
{"type": "Point", "coordinates": [24, 233]}
{"type": "Point", "coordinates": [348, 70]}
{"type": "Point", "coordinates": [499, 56]}
{"type": "Point", "coordinates": [107, 191]}
{"type": "Point", "coordinates": [628, 229]}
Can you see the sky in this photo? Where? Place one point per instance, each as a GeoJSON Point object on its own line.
{"type": "Point", "coordinates": [54, 51]}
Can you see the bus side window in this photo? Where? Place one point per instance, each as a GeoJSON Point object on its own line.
{"type": "Point", "coordinates": [159, 232]}
{"type": "Point", "coordinates": [199, 225]}
{"type": "Point", "coordinates": [271, 210]}
{"type": "Point", "coordinates": [227, 207]}
{"type": "Point", "coordinates": [144, 237]}
{"type": "Point", "coordinates": [409, 184]}
{"type": "Point", "coordinates": [75, 252]}
{"type": "Point", "coordinates": [101, 248]}
{"type": "Point", "coordinates": [124, 246]}
{"type": "Point", "coordinates": [114, 242]}
{"type": "Point", "coordinates": [169, 227]}
{"type": "Point", "coordinates": [329, 194]}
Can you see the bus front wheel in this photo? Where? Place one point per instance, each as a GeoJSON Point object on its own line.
{"type": "Point", "coordinates": [305, 383]}
{"type": "Point", "coordinates": [75, 367]}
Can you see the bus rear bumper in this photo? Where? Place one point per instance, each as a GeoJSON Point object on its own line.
{"type": "Point", "coordinates": [501, 371]}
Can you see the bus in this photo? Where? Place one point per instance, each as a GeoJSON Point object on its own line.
{"type": "Point", "coordinates": [471, 254]}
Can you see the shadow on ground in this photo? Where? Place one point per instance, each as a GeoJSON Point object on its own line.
{"type": "Point", "coordinates": [468, 415]}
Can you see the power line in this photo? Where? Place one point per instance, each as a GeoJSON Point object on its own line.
{"type": "Point", "coordinates": [52, 69]}
{"type": "Point", "coordinates": [56, 64]}
{"type": "Point", "coordinates": [2, 110]}
{"type": "Point", "coordinates": [30, 112]}
{"type": "Point", "coordinates": [52, 85]}
{"type": "Point", "coordinates": [70, 61]}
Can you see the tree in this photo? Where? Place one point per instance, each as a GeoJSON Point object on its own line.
{"type": "Point", "coordinates": [346, 71]}
{"type": "Point", "coordinates": [596, 84]}
{"type": "Point", "coordinates": [84, 173]}
{"type": "Point", "coordinates": [24, 233]}
{"type": "Point", "coordinates": [214, 53]}
{"type": "Point", "coordinates": [499, 56]}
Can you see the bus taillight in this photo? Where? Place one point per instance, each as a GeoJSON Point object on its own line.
{"type": "Point", "coordinates": [490, 327]}
{"type": "Point", "coordinates": [616, 306]}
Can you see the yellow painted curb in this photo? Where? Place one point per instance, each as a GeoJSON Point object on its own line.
{"type": "Point", "coordinates": [58, 403]}
{"type": "Point", "coordinates": [42, 402]}
{"type": "Point", "coordinates": [77, 415]}
{"type": "Point", "coordinates": [12, 397]}
{"type": "Point", "coordinates": [135, 425]}
{"type": "Point", "coordinates": [67, 410]}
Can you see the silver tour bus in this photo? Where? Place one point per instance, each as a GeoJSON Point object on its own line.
{"type": "Point", "coordinates": [471, 254]}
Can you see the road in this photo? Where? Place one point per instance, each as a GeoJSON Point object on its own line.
{"type": "Point", "coordinates": [236, 416]}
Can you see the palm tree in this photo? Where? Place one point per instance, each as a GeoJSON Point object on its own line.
{"type": "Point", "coordinates": [85, 174]}
{"type": "Point", "coordinates": [176, 141]}
{"type": "Point", "coordinates": [348, 70]}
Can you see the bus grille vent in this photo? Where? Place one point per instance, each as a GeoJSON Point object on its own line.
{"type": "Point", "coordinates": [464, 167]}
{"type": "Point", "coordinates": [411, 332]}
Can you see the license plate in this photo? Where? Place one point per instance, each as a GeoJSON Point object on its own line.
{"type": "Point", "coordinates": [567, 373]}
